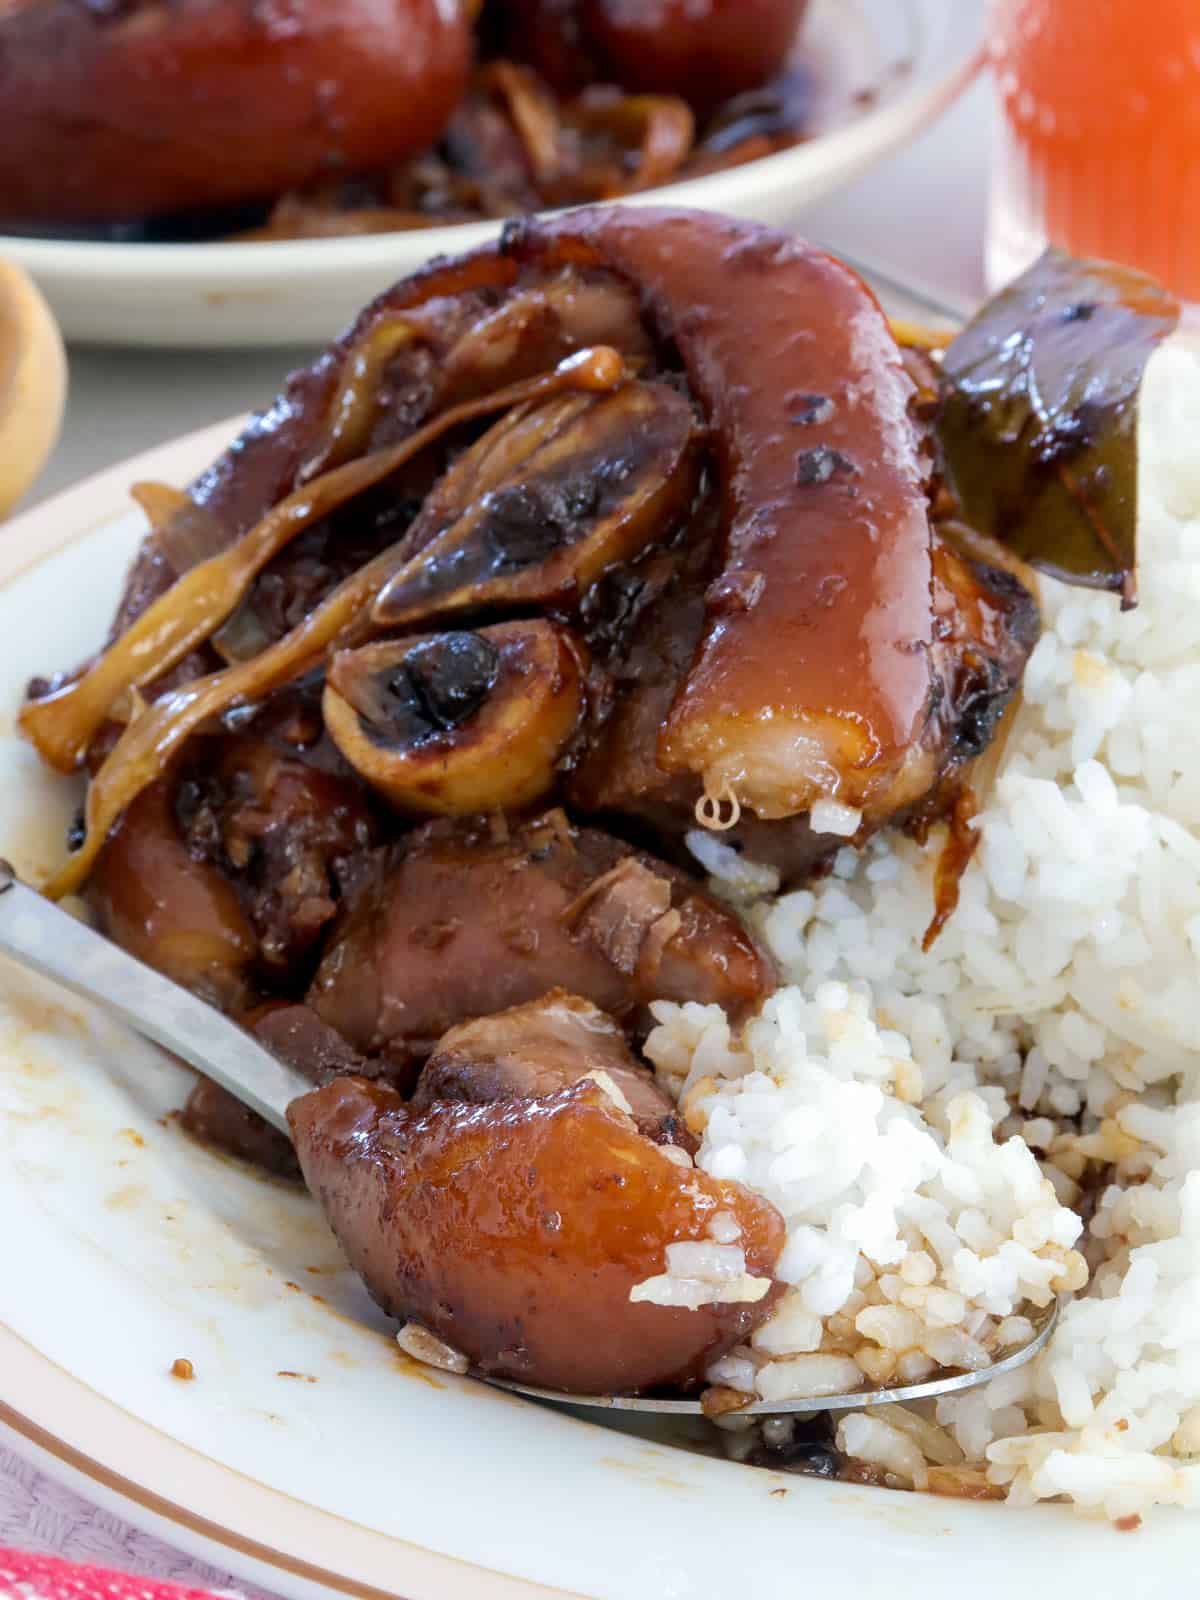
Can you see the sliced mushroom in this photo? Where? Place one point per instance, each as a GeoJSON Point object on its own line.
{"type": "Point", "coordinates": [146, 748]}
{"type": "Point", "coordinates": [63, 723]}
{"type": "Point", "coordinates": [452, 724]}
{"type": "Point", "coordinates": [546, 501]}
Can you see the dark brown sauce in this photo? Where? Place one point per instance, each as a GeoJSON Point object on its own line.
{"type": "Point", "coordinates": [962, 841]}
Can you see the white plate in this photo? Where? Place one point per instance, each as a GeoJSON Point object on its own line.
{"type": "Point", "coordinates": [125, 1246]}
{"type": "Point", "coordinates": [915, 55]}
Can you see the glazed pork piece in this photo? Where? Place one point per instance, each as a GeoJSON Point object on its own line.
{"type": "Point", "coordinates": [985, 623]}
{"type": "Point", "coordinates": [531, 1050]}
{"type": "Point", "coordinates": [233, 870]}
{"type": "Point", "coordinates": [220, 1121]}
{"type": "Point", "coordinates": [284, 828]}
{"type": "Point", "coordinates": [463, 919]}
{"type": "Point", "coordinates": [153, 897]}
{"type": "Point", "coordinates": [114, 110]}
{"type": "Point", "coordinates": [518, 1231]}
{"type": "Point", "coordinates": [702, 50]}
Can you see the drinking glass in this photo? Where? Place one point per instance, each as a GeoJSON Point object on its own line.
{"type": "Point", "coordinates": [1098, 139]}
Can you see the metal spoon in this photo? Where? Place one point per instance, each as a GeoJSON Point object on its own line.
{"type": "Point", "coordinates": [41, 936]}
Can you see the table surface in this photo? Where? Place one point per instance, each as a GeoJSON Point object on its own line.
{"type": "Point", "coordinates": [921, 214]}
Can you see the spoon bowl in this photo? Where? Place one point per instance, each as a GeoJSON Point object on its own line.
{"type": "Point", "coordinates": [43, 937]}
{"type": "Point", "coordinates": [846, 1400]}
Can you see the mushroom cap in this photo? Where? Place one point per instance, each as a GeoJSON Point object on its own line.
{"type": "Point", "coordinates": [458, 723]}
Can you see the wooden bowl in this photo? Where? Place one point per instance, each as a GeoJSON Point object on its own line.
{"type": "Point", "coordinates": [33, 384]}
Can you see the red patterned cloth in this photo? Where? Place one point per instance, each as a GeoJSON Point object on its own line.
{"type": "Point", "coordinates": [43, 1517]}
{"type": "Point", "coordinates": [24, 1576]}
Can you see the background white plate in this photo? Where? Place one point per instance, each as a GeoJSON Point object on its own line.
{"type": "Point", "coordinates": [126, 1246]}
{"type": "Point", "coordinates": [915, 54]}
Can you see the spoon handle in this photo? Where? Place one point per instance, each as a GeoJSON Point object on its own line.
{"type": "Point", "coordinates": [40, 935]}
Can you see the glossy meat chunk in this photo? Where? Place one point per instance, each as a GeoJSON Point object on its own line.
{"type": "Point", "coordinates": [703, 50]}
{"type": "Point", "coordinates": [172, 911]}
{"type": "Point", "coordinates": [439, 339]}
{"type": "Point", "coordinates": [461, 920]}
{"type": "Point", "coordinates": [533, 1050]}
{"type": "Point", "coordinates": [812, 678]}
{"type": "Point", "coordinates": [985, 624]}
{"type": "Point", "coordinates": [296, 1035]}
{"type": "Point", "coordinates": [546, 501]}
{"type": "Point", "coordinates": [517, 1231]}
{"type": "Point", "coordinates": [119, 109]}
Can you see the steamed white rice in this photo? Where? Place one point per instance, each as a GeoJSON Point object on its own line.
{"type": "Point", "coordinates": [936, 1129]}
